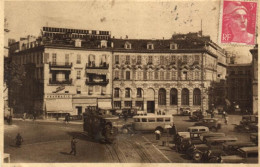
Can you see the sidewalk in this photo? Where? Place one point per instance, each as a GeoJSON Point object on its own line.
{"type": "Point", "coordinates": [79, 122]}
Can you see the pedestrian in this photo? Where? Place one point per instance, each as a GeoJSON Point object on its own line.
{"type": "Point", "coordinates": [24, 116]}
{"type": "Point", "coordinates": [226, 119]}
{"type": "Point", "coordinates": [73, 146]}
{"type": "Point", "coordinates": [19, 140]}
{"type": "Point", "coordinates": [160, 113]}
{"type": "Point", "coordinates": [10, 119]}
{"type": "Point", "coordinates": [157, 134]}
{"type": "Point", "coordinates": [224, 114]}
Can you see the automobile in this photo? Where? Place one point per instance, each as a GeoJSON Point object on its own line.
{"type": "Point", "coordinates": [231, 148]}
{"type": "Point", "coordinates": [214, 144]}
{"type": "Point", "coordinates": [254, 138]}
{"type": "Point", "coordinates": [204, 136]}
{"type": "Point", "coordinates": [128, 112]}
{"type": "Point", "coordinates": [247, 119]}
{"type": "Point", "coordinates": [185, 111]}
{"type": "Point", "coordinates": [244, 155]}
{"type": "Point", "coordinates": [249, 123]}
{"type": "Point", "coordinates": [196, 116]}
{"type": "Point", "coordinates": [200, 129]}
{"type": "Point", "coordinates": [211, 123]}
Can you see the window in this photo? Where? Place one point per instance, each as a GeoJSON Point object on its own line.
{"type": "Point", "coordinates": [196, 97]}
{"type": "Point", "coordinates": [128, 103]}
{"type": "Point", "coordinates": [150, 75]}
{"type": "Point", "coordinates": [159, 119]}
{"type": "Point", "coordinates": [139, 59]}
{"type": "Point", "coordinates": [184, 75]}
{"type": "Point", "coordinates": [103, 62]}
{"type": "Point", "coordinates": [150, 59]}
{"type": "Point", "coordinates": [116, 75]}
{"type": "Point", "coordinates": [144, 119]}
{"type": "Point", "coordinates": [140, 105]}
{"type": "Point", "coordinates": [150, 47]}
{"type": "Point", "coordinates": [78, 59]}
{"type": "Point", "coordinates": [54, 58]}
{"type": "Point", "coordinates": [90, 90]}
{"type": "Point", "coordinates": [162, 75]}
{"type": "Point", "coordinates": [91, 61]}
{"type": "Point", "coordinates": [78, 74]}
{"type": "Point", "coordinates": [173, 46]}
{"type": "Point", "coordinates": [185, 59]}
{"type": "Point", "coordinates": [103, 90]}
{"type": "Point", "coordinates": [168, 75]}
{"type": "Point", "coordinates": [139, 92]}
{"type": "Point", "coordinates": [117, 104]}
{"type": "Point", "coordinates": [127, 45]}
{"type": "Point", "coordinates": [139, 75]}
{"type": "Point", "coordinates": [127, 92]}
{"type": "Point", "coordinates": [127, 61]}
{"type": "Point", "coordinates": [162, 60]}
{"type": "Point", "coordinates": [67, 59]}
{"type": "Point", "coordinates": [162, 97]}
{"type": "Point", "coordinates": [116, 92]}
{"type": "Point", "coordinates": [173, 97]}
{"type": "Point", "coordinates": [167, 119]}
{"type": "Point", "coordinates": [78, 90]}
{"type": "Point", "coordinates": [197, 59]}
{"type": "Point", "coordinates": [116, 59]}
{"type": "Point", "coordinates": [185, 96]}
{"type": "Point", "coordinates": [137, 120]}
{"type": "Point", "coordinates": [156, 75]}
{"type": "Point", "coordinates": [151, 119]}
{"type": "Point", "coordinates": [173, 59]}
{"type": "Point", "coordinates": [127, 75]}
{"type": "Point", "coordinates": [197, 75]}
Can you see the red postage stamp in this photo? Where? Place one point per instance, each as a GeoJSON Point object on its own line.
{"type": "Point", "coordinates": [238, 20]}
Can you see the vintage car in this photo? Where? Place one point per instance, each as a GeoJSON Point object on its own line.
{"type": "Point", "coordinates": [211, 123]}
{"type": "Point", "coordinates": [196, 116]}
{"type": "Point", "coordinates": [214, 144]}
{"type": "Point", "coordinates": [244, 155]}
{"type": "Point", "coordinates": [254, 138]}
{"type": "Point", "coordinates": [249, 123]}
{"type": "Point", "coordinates": [246, 119]}
{"type": "Point", "coordinates": [127, 112]}
{"type": "Point", "coordinates": [204, 136]}
{"type": "Point", "coordinates": [185, 111]}
{"type": "Point", "coordinates": [231, 148]}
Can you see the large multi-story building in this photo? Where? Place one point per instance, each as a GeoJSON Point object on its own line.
{"type": "Point", "coordinates": [63, 76]}
{"type": "Point", "coordinates": [68, 69]}
{"type": "Point", "coordinates": [166, 74]}
{"type": "Point", "coordinates": [254, 53]}
{"type": "Point", "coordinates": [239, 85]}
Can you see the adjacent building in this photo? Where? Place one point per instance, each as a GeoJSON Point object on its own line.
{"type": "Point", "coordinates": [254, 69]}
{"type": "Point", "coordinates": [67, 70]}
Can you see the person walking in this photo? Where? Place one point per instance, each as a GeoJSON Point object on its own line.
{"type": "Point", "coordinates": [157, 134]}
{"type": "Point", "coordinates": [73, 146]}
{"type": "Point", "coordinates": [226, 119]}
{"type": "Point", "coordinates": [19, 140]}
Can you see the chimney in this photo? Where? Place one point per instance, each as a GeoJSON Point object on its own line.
{"type": "Point", "coordinates": [126, 37]}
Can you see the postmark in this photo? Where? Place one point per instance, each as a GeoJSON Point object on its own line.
{"type": "Point", "coordinates": [238, 22]}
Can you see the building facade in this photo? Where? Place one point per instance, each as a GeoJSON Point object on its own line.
{"type": "Point", "coordinates": [239, 85]}
{"type": "Point", "coordinates": [166, 75]}
{"type": "Point", "coordinates": [254, 53]}
{"type": "Point", "coordinates": [67, 70]}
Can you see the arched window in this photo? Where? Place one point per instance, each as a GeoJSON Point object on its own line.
{"type": "Point", "coordinates": [196, 97]}
{"type": "Point", "coordinates": [162, 97]}
{"type": "Point", "coordinates": [139, 92]}
{"type": "Point", "coordinates": [127, 92]}
{"type": "Point", "coordinates": [173, 97]}
{"type": "Point", "coordinates": [185, 96]}
{"type": "Point", "coordinates": [117, 92]}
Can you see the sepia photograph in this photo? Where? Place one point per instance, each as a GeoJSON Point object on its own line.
{"type": "Point", "coordinates": [130, 82]}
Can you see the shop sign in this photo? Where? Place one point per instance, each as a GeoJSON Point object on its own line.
{"type": "Point", "coordinates": [58, 89]}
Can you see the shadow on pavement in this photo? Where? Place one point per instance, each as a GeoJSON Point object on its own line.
{"type": "Point", "coordinates": [82, 136]}
{"type": "Point", "coordinates": [65, 153]}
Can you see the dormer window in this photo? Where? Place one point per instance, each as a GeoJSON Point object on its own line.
{"type": "Point", "coordinates": [150, 46]}
{"type": "Point", "coordinates": [103, 43]}
{"type": "Point", "coordinates": [128, 45]}
{"type": "Point", "coordinates": [173, 46]}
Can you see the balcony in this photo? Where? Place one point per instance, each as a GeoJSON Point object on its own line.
{"type": "Point", "coordinates": [60, 65]}
{"type": "Point", "coordinates": [55, 82]}
{"type": "Point", "coordinates": [97, 82]}
{"type": "Point", "coordinates": [92, 66]}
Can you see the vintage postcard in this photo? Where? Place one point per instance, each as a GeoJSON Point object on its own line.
{"type": "Point", "coordinates": [130, 83]}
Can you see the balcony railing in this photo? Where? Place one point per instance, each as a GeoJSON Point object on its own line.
{"type": "Point", "coordinates": [96, 82]}
{"type": "Point", "coordinates": [54, 82]}
{"type": "Point", "coordinates": [60, 64]}
{"type": "Point", "coordinates": [102, 66]}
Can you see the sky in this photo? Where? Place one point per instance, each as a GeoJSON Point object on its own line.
{"type": "Point", "coordinates": [146, 19]}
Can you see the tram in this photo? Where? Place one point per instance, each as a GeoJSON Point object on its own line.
{"type": "Point", "coordinates": [99, 124]}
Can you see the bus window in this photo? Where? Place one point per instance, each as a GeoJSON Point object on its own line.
{"type": "Point", "coordinates": [137, 119]}
{"type": "Point", "coordinates": [151, 119]}
{"type": "Point", "coordinates": [144, 120]}
{"type": "Point", "coordinates": [159, 119]}
{"type": "Point", "coordinates": [202, 130]}
{"type": "Point", "coordinates": [167, 119]}
{"type": "Point", "coordinates": [194, 130]}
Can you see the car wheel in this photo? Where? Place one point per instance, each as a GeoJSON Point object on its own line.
{"type": "Point", "coordinates": [197, 156]}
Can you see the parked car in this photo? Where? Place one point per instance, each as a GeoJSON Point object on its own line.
{"type": "Point", "coordinates": [245, 155]}
{"type": "Point", "coordinates": [249, 123]}
{"type": "Point", "coordinates": [185, 111]}
{"type": "Point", "coordinates": [254, 138]}
{"type": "Point", "coordinates": [196, 116]}
{"type": "Point", "coordinates": [231, 148]}
{"type": "Point", "coordinates": [204, 136]}
{"type": "Point", "coordinates": [127, 112]}
{"type": "Point", "coordinates": [211, 123]}
{"type": "Point", "coordinates": [246, 119]}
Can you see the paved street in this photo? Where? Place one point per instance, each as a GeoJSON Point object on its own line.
{"type": "Point", "coordinates": [50, 142]}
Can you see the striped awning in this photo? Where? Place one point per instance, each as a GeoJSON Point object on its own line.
{"type": "Point", "coordinates": [59, 105]}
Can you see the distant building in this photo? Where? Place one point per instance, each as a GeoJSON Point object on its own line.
{"type": "Point", "coordinates": [254, 53]}
{"type": "Point", "coordinates": [239, 85]}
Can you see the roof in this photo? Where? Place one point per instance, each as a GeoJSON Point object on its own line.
{"type": "Point", "coordinates": [249, 149]}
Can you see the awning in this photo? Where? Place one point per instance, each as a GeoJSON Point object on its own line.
{"type": "Point", "coordinates": [97, 71]}
{"type": "Point", "coordinates": [104, 103]}
{"type": "Point", "coordinates": [59, 105]}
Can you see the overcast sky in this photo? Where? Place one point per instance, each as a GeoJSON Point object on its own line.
{"type": "Point", "coordinates": [142, 20]}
